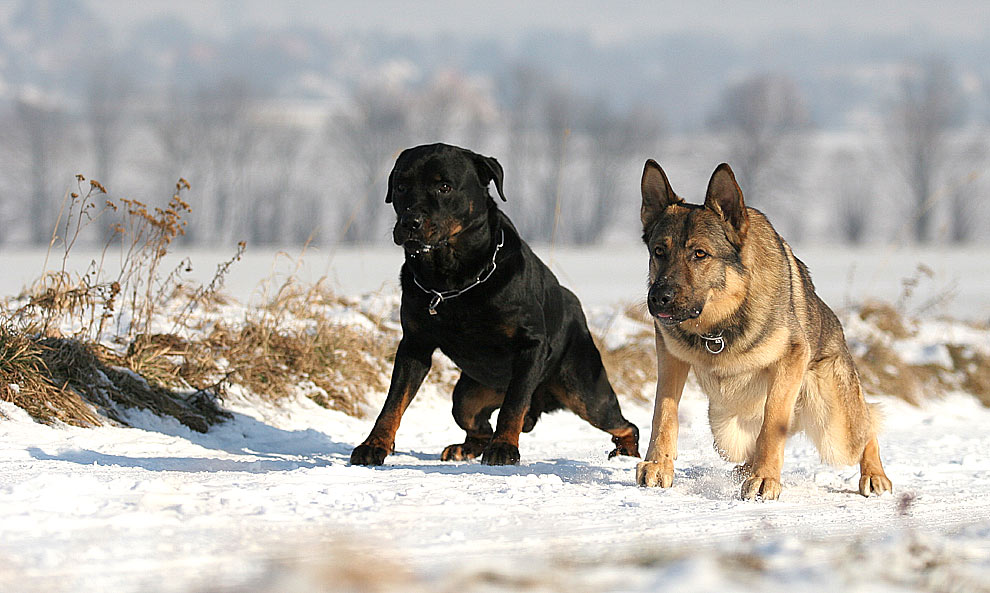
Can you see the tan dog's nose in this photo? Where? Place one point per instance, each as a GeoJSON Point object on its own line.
{"type": "Point", "coordinates": [660, 296]}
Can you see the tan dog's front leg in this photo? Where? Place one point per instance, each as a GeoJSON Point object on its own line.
{"type": "Point", "coordinates": [785, 384]}
{"type": "Point", "coordinates": [658, 468]}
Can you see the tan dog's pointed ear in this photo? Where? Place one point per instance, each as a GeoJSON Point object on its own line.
{"type": "Point", "coordinates": [726, 199]}
{"type": "Point", "coordinates": [657, 193]}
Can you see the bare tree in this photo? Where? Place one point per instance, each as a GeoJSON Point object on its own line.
{"type": "Point", "coordinates": [965, 180]}
{"type": "Point", "coordinates": [227, 137]}
{"type": "Point", "coordinates": [208, 136]}
{"type": "Point", "coordinates": [272, 192]}
{"type": "Point", "coordinates": [541, 113]}
{"type": "Point", "coordinates": [370, 136]}
{"type": "Point", "coordinates": [853, 191]}
{"type": "Point", "coordinates": [176, 128]}
{"type": "Point", "coordinates": [437, 107]}
{"type": "Point", "coordinates": [107, 97]}
{"type": "Point", "coordinates": [521, 89]}
{"type": "Point", "coordinates": [560, 111]}
{"type": "Point", "coordinates": [928, 105]}
{"type": "Point", "coordinates": [614, 139]}
{"type": "Point", "coordinates": [41, 132]}
{"type": "Point", "coordinates": [762, 117]}
{"type": "Point", "coordinates": [451, 109]}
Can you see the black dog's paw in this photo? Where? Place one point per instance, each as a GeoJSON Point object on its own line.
{"type": "Point", "coordinates": [463, 451]}
{"type": "Point", "coordinates": [620, 450]}
{"type": "Point", "coordinates": [500, 454]}
{"type": "Point", "coordinates": [627, 444]}
{"type": "Point", "coordinates": [368, 455]}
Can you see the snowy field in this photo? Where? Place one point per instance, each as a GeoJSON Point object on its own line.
{"type": "Point", "coordinates": [267, 501]}
{"type": "Point", "coordinates": [957, 288]}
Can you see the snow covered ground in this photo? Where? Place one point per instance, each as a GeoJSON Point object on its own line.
{"type": "Point", "coordinates": [267, 501]}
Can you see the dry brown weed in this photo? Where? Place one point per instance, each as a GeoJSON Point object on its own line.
{"type": "Point", "coordinates": [26, 382]}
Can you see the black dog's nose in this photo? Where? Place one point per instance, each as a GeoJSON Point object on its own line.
{"type": "Point", "coordinates": [412, 221]}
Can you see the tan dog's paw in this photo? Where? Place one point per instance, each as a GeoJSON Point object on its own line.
{"type": "Point", "coordinates": [874, 484]}
{"type": "Point", "coordinates": [761, 487]}
{"type": "Point", "coordinates": [655, 473]}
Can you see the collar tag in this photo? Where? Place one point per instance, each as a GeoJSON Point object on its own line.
{"type": "Point", "coordinates": [436, 300]}
{"type": "Point", "coordinates": [714, 344]}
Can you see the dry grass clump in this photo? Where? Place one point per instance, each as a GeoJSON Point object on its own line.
{"type": "Point", "coordinates": [99, 375]}
{"type": "Point", "coordinates": [26, 382]}
{"type": "Point", "coordinates": [272, 360]}
{"type": "Point", "coordinates": [315, 566]}
{"type": "Point", "coordinates": [632, 367]}
{"type": "Point", "coordinates": [39, 358]}
{"type": "Point", "coordinates": [886, 318]}
{"type": "Point", "coordinates": [99, 298]}
{"type": "Point", "coordinates": [883, 371]}
{"type": "Point", "coordinates": [65, 380]}
{"type": "Point", "coordinates": [973, 372]}
{"type": "Point", "coordinates": [292, 343]}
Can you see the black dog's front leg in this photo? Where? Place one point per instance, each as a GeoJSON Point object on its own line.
{"type": "Point", "coordinates": [411, 365]}
{"type": "Point", "coordinates": [527, 368]}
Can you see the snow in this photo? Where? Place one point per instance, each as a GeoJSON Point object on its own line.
{"type": "Point", "coordinates": [267, 501]}
{"type": "Point", "coordinates": [259, 498]}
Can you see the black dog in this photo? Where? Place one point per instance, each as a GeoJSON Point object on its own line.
{"type": "Point", "coordinates": [472, 288]}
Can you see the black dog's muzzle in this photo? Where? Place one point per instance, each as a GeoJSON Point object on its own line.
{"type": "Point", "coordinates": [409, 233]}
{"type": "Point", "coordinates": [415, 247]}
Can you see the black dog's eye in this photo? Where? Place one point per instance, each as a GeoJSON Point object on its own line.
{"type": "Point", "coordinates": [445, 188]}
{"type": "Point", "coordinates": [401, 189]}
{"type": "Point", "coordinates": [700, 254]}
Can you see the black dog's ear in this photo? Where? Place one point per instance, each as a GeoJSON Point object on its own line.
{"type": "Point", "coordinates": [391, 175]}
{"type": "Point", "coordinates": [726, 199]}
{"type": "Point", "coordinates": [489, 170]}
{"type": "Point", "coordinates": [388, 192]}
{"type": "Point", "coordinates": [657, 193]}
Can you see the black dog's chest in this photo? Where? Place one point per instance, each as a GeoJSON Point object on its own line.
{"type": "Point", "coordinates": [474, 340]}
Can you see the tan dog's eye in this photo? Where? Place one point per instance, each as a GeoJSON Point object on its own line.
{"type": "Point", "coordinates": [700, 254]}
{"type": "Point", "coordinates": [658, 251]}
{"type": "Point", "coordinates": [445, 188]}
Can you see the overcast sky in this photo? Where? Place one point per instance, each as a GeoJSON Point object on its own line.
{"type": "Point", "coordinates": [608, 21]}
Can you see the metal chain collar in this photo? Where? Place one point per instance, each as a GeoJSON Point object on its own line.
{"type": "Point", "coordinates": [439, 297]}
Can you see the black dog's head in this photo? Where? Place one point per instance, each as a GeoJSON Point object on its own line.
{"type": "Point", "coordinates": [695, 251]}
{"type": "Point", "coordinates": [440, 192]}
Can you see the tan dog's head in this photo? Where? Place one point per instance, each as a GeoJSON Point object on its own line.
{"type": "Point", "coordinates": [696, 267]}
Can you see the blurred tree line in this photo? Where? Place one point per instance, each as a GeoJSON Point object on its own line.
{"type": "Point", "coordinates": [280, 173]}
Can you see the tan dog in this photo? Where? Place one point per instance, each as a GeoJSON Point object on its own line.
{"type": "Point", "coordinates": [730, 300]}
